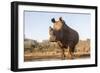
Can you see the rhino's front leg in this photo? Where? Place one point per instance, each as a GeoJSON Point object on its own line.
{"type": "Point", "coordinates": [63, 54]}
{"type": "Point", "coordinates": [70, 55]}
{"type": "Point", "coordinates": [62, 50]}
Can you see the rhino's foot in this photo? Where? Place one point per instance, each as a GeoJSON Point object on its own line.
{"type": "Point", "coordinates": [70, 56]}
{"type": "Point", "coordinates": [63, 57]}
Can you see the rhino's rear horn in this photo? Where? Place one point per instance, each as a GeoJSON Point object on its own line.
{"type": "Point", "coordinates": [53, 20]}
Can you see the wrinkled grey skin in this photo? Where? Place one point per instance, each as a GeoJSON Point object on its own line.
{"type": "Point", "coordinates": [66, 37]}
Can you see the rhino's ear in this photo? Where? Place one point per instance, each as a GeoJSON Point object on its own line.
{"type": "Point", "coordinates": [60, 18]}
{"type": "Point", "coordinates": [53, 20]}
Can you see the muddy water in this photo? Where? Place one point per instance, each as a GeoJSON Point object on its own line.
{"type": "Point", "coordinates": [47, 57]}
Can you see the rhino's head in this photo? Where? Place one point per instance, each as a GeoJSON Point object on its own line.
{"type": "Point", "coordinates": [56, 32]}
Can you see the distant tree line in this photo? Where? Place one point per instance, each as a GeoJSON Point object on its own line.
{"type": "Point", "coordinates": [45, 45]}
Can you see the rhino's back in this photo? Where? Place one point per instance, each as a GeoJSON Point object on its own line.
{"type": "Point", "coordinates": [70, 36]}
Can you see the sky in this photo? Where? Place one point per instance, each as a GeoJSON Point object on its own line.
{"type": "Point", "coordinates": [36, 24]}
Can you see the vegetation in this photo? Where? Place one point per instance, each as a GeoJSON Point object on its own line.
{"type": "Point", "coordinates": [34, 49]}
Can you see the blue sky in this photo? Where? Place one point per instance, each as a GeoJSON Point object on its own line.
{"type": "Point", "coordinates": [37, 23]}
